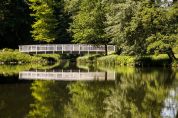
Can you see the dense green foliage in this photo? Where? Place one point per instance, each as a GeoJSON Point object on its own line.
{"type": "Point", "coordinates": [137, 27]}
{"type": "Point", "coordinates": [45, 24]}
{"type": "Point", "coordinates": [15, 23]}
{"type": "Point", "coordinates": [50, 21]}
{"type": "Point", "coordinates": [138, 22]}
{"type": "Point", "coordinates": [8, 56]}
{"type": "Point", "coordinates": [151, 60]}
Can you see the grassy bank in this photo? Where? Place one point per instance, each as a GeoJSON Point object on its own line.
{"type": "Point", "coordinates": [8, 56]}
{"type": "Point", "coordinates": [151, 60]}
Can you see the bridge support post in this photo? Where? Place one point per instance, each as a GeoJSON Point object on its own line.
{"type": "Point", "coordinates": [36, 49]}
{"type": "Point", "coordinates": [88, 49]}
{"type": "Point", "coordinates": [79, 49]}
{"type": "Point", "coordinates": [73, 47]}
{"type": "Point", "coordinates": [62, 49]}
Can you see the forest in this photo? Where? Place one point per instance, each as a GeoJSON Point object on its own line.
{"type": "Point", "coordinates": [137, 80]}
{"type": "Point", "coordinates": [137, 27]}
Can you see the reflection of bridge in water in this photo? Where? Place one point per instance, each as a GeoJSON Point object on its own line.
{"type": "Point", "coordinates": [67, 75]}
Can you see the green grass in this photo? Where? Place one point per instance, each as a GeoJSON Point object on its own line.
{"type": "Point", "coordinates": [149, 60]}
{"type": "Point", "coordinates": [88, 58]}
{"type": "Point", "coordinates": [9, 56]}
{"type": "Point", "coordinates": [16, 57]}
{"type": "Point", "coordinates": [116, 60]}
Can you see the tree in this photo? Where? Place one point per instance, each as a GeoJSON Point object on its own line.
{"type": "Point", "coordinates": [166, 39]}
{"type": "Point", "coordinates": [89, 24]}
{"type": "Point", "coordinates": [119, 16]}
{"type": "Point", "coordinates": [132, 23]}
{"type": "Point", "coordinates": [44, 27]}
{"type": "Point", "coordinates": [15, 23]}
{"type": "Point", "coordinates": [63, 20]}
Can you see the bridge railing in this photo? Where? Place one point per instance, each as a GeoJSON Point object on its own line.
{"type": "Point", "coordinates": [66, 48]}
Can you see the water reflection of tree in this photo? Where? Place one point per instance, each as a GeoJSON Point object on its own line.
{"type": "Point", "coordinates": [139, 95]}
{"type": "Point", "coordinates": [87, 99]}
{"type": "Point", "coordinates": [49, 99]}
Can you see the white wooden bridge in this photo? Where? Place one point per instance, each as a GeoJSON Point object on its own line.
{"type": "Point", "coordinates": [66, 48]}
{"type": "Point", "coordinates": [67, 75]}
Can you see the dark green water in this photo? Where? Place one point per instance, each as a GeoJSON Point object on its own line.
{"type": "Point", "coordinates": [133, 93]}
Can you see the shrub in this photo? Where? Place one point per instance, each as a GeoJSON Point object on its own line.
{"type": "Point", "coordinates": [10, 56]}
{"type": "Point", "coordinates": [150, 60]}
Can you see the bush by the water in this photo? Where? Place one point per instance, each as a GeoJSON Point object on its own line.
{"type": "Point", "coordinates": [88, 58]}
{"type": "Point", "coordinates": [116, 60]}
{"type": "Point", "coordinates": [14, 56]}
{"type": "Point", "coordinates": [150, 60]}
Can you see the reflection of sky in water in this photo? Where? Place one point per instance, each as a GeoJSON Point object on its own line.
{"type": "Point", "coordinates": [170, 105]}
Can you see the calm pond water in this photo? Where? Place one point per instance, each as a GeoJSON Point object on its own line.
{"type": "Point", "coordinates": [88, 92]}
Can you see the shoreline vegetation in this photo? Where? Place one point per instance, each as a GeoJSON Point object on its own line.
{"type": "Point", "coordinates": [161, 60]}
{"type": "Point", "coordinates": [14, 57]}
{"type": "Point", "coordinates": [136, 27]}
{"type": "Point", "coordinates": [10, 56]}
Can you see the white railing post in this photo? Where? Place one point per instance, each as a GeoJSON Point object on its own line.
{"type": "Point", "coordinates": [31, 48]}
{"type": "Point", "coordinates": [19, 48]}
{"type": "Point", "coordinates": [36, 49]}
{"type": "Point", "coordinates": [55, 47]}
{"type": "Point", "coordinates": [62, 49]}
{"type": "Point", "coordinates": [97, 50]}
{"type": "Point", "coordinates": [79, 48]}
{"type": "Point", "coordinates": [73, 47]}
{"type": "Point", "coordinates": [45, 48]}
{"type": "Point", "coordinates": [88, 49]}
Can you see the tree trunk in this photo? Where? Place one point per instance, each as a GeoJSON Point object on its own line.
{"type": "Point", "coordinates": [171, 55]}
{"type": "Point", "coordinates": [106, 49]}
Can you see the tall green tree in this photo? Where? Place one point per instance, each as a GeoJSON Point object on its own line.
{"type": "Point", "coordinates": [89, 23]}
{"type": "Point", "coordinates": [44, 27]}
{"type": "Point", "coordinates": [164, 40]}
{"type": "Point", "coordinates": [63, 22]}
{"type": "Point", "coordinates": [51, 21]}
{"type": "Point", "coordinates": [132, 23]}
{"type": "Point", "coordinates": [119, 16]}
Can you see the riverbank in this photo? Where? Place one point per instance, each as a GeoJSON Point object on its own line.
{"type": "Point", "coordinates": [9, 56]}
{"type": "Point", "coordinates": [144, 61]}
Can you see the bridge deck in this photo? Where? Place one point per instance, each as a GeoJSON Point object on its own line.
{"type": "Point", "coordinates": [67, 76]}
{"type": "Point", "coordinates": [63, 48]}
